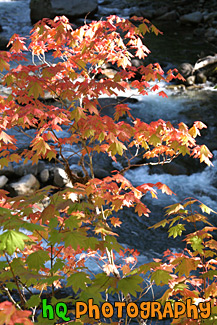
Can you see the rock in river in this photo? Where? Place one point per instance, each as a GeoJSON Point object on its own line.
{"type": "Point", "coordinates": [70, 8]}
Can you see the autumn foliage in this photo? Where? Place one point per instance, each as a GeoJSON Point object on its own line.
{"type": "Point", "coordinates": [64, 235]}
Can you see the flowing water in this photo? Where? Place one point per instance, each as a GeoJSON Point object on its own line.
{"type": "Point", "coordinates": [185, 107]}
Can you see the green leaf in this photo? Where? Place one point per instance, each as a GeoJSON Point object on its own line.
{"type": "Point", "coordinates": [176, 230]}
{"type": "Point", "coordinates": [144, 28]}
{"type": "Point", "coordinates": [184, 150]}
{"type": "Point", "coordinates": [206, 209]}
{"type": "Point", "coordinates": [161, 277]}
{"type": "Point", "coordinates": [186, 266]}
{"type": "Point", "coordinates": [102, 282]}
{"type": "Point", "coordinates": [17, 265]}
{"type": "Point", "coordinates": [74, 239]}
{"type": "Point", "coordinates": [11, 285]}
{"type": "Point", "coordinates": [180, 286]}
{"type": "Point", "coordinates": [11, 240]}
{"type": "Point", "coordinates": [72, 222]}
{"type": "Point", "coordinates": [154, 140]}
{"type": "Point", "coordinates": [161, 223]}
{"type": "Point", "coordinates": [91, 293]}
{"type": "Point", "coordinates": [34, 301]}
{"type": "Point", "coordinates": [130, 284]}
{"type": "Point", "coordinates": [196, 244]}
{"type": "Point", "coordinates": [101, 136]}
{"type": "Point", "coordinates": [37, 259]}
{"type": "Point", "coordinates": [36, 90]}
{"type": "Point", "coordinates": [117, 148]}
{"type": "Point", "coordinates": [174, 208]}
{"type": "Point", "coordinates": [55, 237]}
{"type": "Point", "coordinates": [78, 281]}
{"type": "Point", "coordinates": [211, 274]}
{"type": "Point", "coordinates": [58, 265]}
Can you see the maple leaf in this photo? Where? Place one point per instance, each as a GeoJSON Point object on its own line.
{"type": "Point", "coordinates": [154, 88]}
{"type": "Point", "coordinates": [144, 28]}
{"type": "Point", "coordinates": [162, 94]}
{"type": "Point", "coordinates": [176, 230]}
{"type": "Point", "coordinates": [164, 188]}
{"type": "Point", "coordinates": [154, 140]}
{"type": "Point", "coordinates": [4, 65]}
{"type": "Point", "coordinates": [18, 44]}
{"type": "Point", "coordinates": [6, 138]}
{"type": "Point", "coordinates": [142, 209]}
{"type": "Point", "coordinates": [161, 277]}
{"type": "Point", "coordinates": [126, 269]}
{"type": "Point", "coordinates": [144, 188]}
{"type": "Point", "coordinates": [155, 30]}
{"type": "Point", "coordinates": [174, 208]}
{"type": "Point", "coordinates": [200, 125]}
{"type": "Point", "coordinates": [116, 222]}
{"type": "Point", "coordinates": [35, 89]}
{"type": "Point", "coordinates": [117, 148]}
{"type": "Point", "coordinates": [187, 265]}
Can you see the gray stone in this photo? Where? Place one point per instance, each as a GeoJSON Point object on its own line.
{"type": "Point", "coordinates": [192, 18]}
{"type": "Point", "coordinates": [27, 185]}
{"type": "Point", "coordinates": [60, 177]}
{"type": "Point", "coordinates": [210, 32]}
{"type": "Point", "coordinates": [70, 8]}
{"type": "Point", "coordinates": [200, 78]}
{"type": "Point", "coordinates": [40, 9]}
{"type": "Point", "coordinates": [136, 62]}
{"type": "Point", "coordinates": [199, 32]}
{"type": "Point", "coordinates": [161, 11]}
{"type": "Point", "coordinates": [7, 171]}
{"type": "Point", "coordinates": [22, 169]}
{"type": "Point", "coordinates": [3, 43]}
{"type": "Point", "coordinates": [3, 181]}
{"type": "Point", "coordinates": [208, 17]}
{"type": "Point", "coordinates": [147, 13]}
{"type": "Point", "coordinates": [185, 69]}
{"type": "Point", "coordinates": [44, 175]}
{"type": "Point", "coordinates": [190, 80]}
{"type": "Point", "coordinates": [171, 15]}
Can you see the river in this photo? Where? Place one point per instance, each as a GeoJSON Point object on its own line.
{"type": "Point", "coordinates": [198, 182]}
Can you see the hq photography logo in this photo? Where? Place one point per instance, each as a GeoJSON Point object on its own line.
{"type": "Point", "coordinates": [145, 310]}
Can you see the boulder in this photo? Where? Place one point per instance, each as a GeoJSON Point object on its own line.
{"type": "Point", "coordinates": [71, 8]}
{"type": "Point", "coordinates": [186, 69]}
{"type": "Point", "coordinates": [44, 175]}
{"type": "Point", "coordinates": [210, 32]}
{"type": "Point", "coordinates": [27, 185]}
{"type": "Point", "coordinates": [171, 15]}
{"type": "Point", "coordinates": [192, 18]}
{"type": "Point", "coordinates": [3, 43]}
{"type": "Point", "coordinates": [60, 177]}
{"type": "Point", "coordinates": [190, 81]}
{"type": "Point", "coordinates": [3, 181]}
{"type": "Point", "coordinates": [200, 78]}
{"type": "Point", "coordinates": [21, 169]}
{"type": "Point", "coordinates": [146, 13]}
{"type": "Point", "coordinates": [161, 11]}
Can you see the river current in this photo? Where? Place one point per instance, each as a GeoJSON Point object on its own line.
{"type": "Point", "coordinates": [201, 184]}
